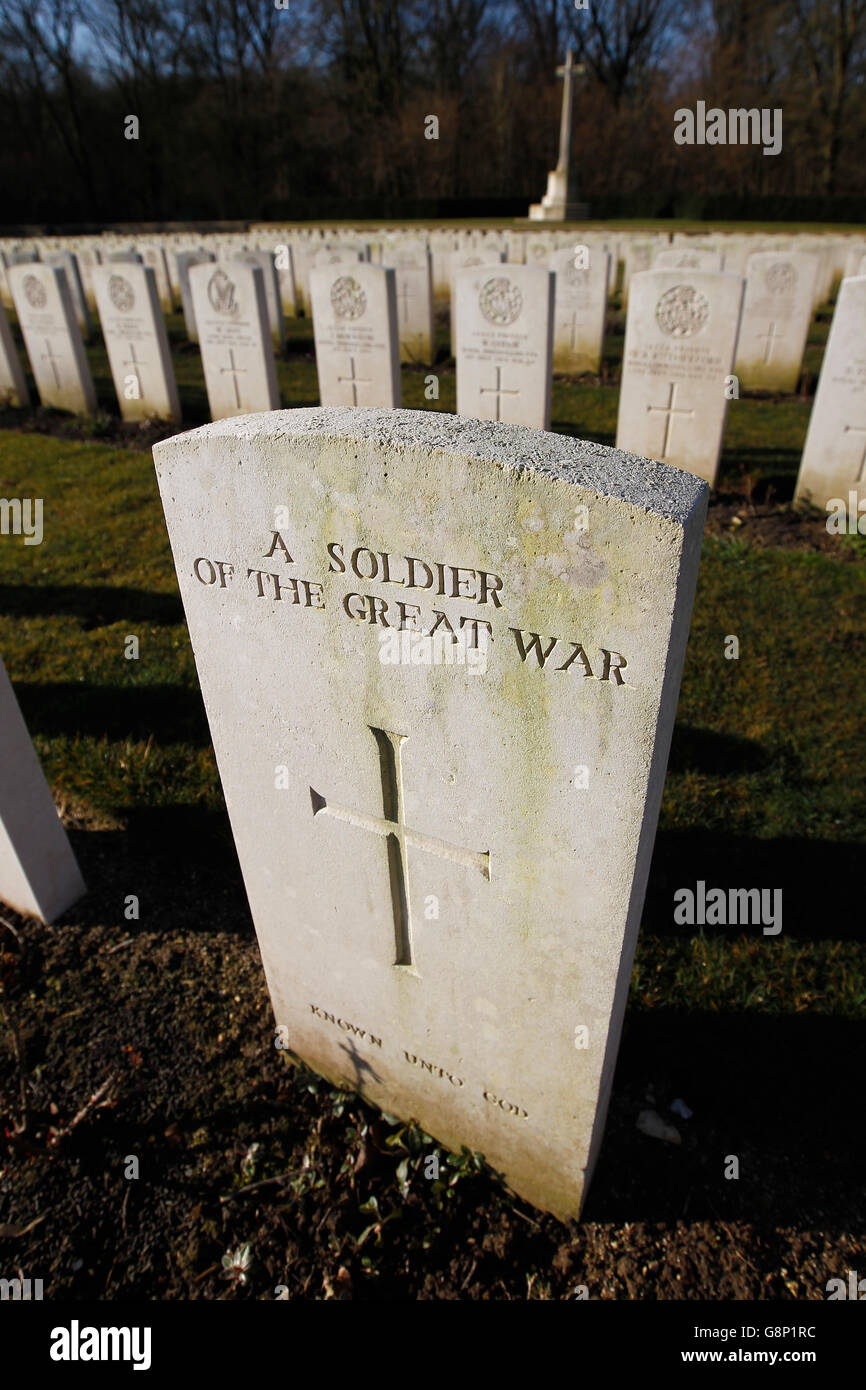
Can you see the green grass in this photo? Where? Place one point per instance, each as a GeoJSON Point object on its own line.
{"type": "Point", "coordinates": [765, 785]}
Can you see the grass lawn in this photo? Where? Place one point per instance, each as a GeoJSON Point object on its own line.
{"type": "Point", "coordinates": [760, 1036]}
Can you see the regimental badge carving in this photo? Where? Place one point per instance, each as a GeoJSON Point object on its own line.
{"type": "Point", "coordinates": [781, 278]}
{"type": "Point", "coordinates": [121, 294]}
{"type": "Point", "coordinates": [500, 301]}
{"type": "Point", "coordinates": [34, 292]}
{"type": "Point", "coordinates": [688, 261]}
{"type": "Point", "coordinates": [221, 293]}
{"type": "Point", "coordinates": [348, 298]}
{"type": "Point", "coordinates": [682, 311]}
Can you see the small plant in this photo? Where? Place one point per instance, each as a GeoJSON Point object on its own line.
{"type": "Point", "coordinates": [236, 1264]}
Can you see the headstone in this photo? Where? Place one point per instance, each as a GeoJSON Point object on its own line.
{"type": "Point", "coordinates": [410, 262]}
{"type": "Point", "coordinates": [581, 311]}
{"type": "Point", "coordinates": [265, 261]}
{"type": "Point", "coordinates": [834, 457]}
{"type": "Point", "coordinates": [687, 258]}
{"type": "Point", "coordinates": [505, 344]}
{"type": "Point", "coordinates": [234, 337]}
{"type": "Point", "coordinates": [284, 261]}
{"type": "Point", "coordinates": [153, 254]}
{"type": "Point", "coordinates": [46, 315]}
{"type": "Point", "coordinates": [38, 873]}
{"type": "Point", "coordinates": [776, 317]}
{"type": "Point", "coordinates": [13, 384]}
{"type": "Point", "coordinates": [136, 340]}
{"type": "Point", "coordinates": [445, 858]}
{"type": "Point", "coordinates": [466, 260]}
{"type": "Point", "coordinates": [680, 340]}
{"type": "Point", "coordinates": [125, 258]}
{"type": "Point", "coordinates": [185, 262]}
{"type": "Point", "coordinates": [69, 263]}
{"type": "Point", "coordinates": [355, 328]}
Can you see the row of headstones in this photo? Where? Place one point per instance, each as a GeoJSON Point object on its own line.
{"type": "Point", "coordinates": [690, 335]}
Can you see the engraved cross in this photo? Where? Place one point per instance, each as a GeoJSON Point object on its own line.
{"type": "Point", "coordinates": [498, 391]}
{"type": "Point", "coordinates": [670, 412]}
{"type": "Point", "coordinates": [236, 372]}
{"type": "Point", "coordinates": [53, 360]}
{"type": "Point", "coordinates": [859, 429]}
{"type": "Point", "coordinates": [354, 381]}
{"type": "Point", "coordinates": [771, 335]}
{"type": "Point", "coordinates": [398, 837]}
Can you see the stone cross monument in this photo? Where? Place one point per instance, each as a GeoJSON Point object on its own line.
{"type": "Point", "coordinates": [556, 205]}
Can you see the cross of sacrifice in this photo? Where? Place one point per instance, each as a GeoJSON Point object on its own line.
{"type": "Point", "coordinates": [398, 837]}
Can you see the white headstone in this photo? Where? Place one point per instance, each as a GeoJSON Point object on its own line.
{"type": "Point", "coordinates": [355, 328]}
{"type": "Point", "coordinates": [834, 457]}
{"type": "Point", "coordinates": [13, 383]}
{"type": "Point", "coordinates": [680, 340]}
{"type": "Point", "coordinates": [231, 315]}
{"type": "Point", "coordinates": [38, 873]}
{"type": "Point", "coordinates": [265, 261]}
{"type": "Point", "coordinates": [185, 261]}
{"type": "Point", "coordinates": [47, 318]}
{"type": "Point", "coordinates": [445, 858]}
{"type": "Point", "coordinates": [153, 254]}
{"type": "Point", "coordinates": [465, 259]}
{"type": "Point", "coordinates": [69, 263]}
{"type": "Point", "coordinates": [410, 261]}
{"type": "Point", "coordinates": [687, 258]}
{"type": "Point", "coordinates": [581, 310]}
{"type": "Point", "coordinates": [505, 344]}
{"type": "Point", "coordinates": [776, 317]}
{"type": "Point", "coordinates": [136, 340]}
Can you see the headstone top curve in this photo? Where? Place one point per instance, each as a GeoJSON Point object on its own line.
{"type": "Point", "coordinates": [654, 487]}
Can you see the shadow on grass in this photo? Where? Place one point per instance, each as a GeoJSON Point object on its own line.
{"type": "Point", "coordinates": [781, 1094]}
{"type": "Point", "coordinates": [820, 880]}
{"type": "Point", "coordinates": [98, 605]}
{"type": "Point", "coordinates": [168, 714]}
{"type": "Point", "coordinates": [180, 861]}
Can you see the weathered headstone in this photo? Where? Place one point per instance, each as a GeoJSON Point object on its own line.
{"type": "Point", "coordinates": [680, 340]}
{"type": "Point", "coordinates": [834, 457]}
{"type": "Point", "coordinates": [47, 318]}
{"type": "Point", "coordinates": [13, 384]}
{"type": "Point", "coordinates": [445, 819]}
{"type": "Point", "coordinates": [234, 336]}
{"type": "Point", "coordinates": [355, 328]}
{"type": "Point", "coordinates": [38, 873]}
{"type": "Point", "coordinates": [505, 344]}
{"type": "Point", "coordinates": [776, 315]}
{"type": "Point", "coordinates": [581, 310]}
{"type": "Point", "coordinates": [136, 340]}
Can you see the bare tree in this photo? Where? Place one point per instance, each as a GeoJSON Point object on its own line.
{"type": "Point", "coordinates": [831, 37]}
